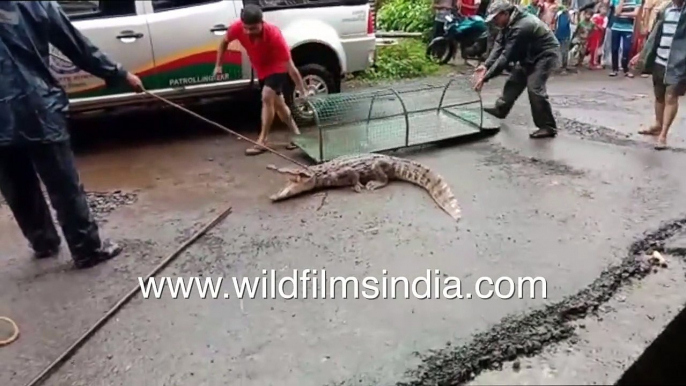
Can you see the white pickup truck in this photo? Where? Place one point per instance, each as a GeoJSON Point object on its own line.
{"type": "Point", "coordinates": [171, 45]}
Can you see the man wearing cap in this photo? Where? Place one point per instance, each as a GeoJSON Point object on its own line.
{"type": "Point", "coordinates": [527, 41]}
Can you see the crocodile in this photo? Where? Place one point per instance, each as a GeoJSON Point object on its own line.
{"type": "Point", "coordinates": [368, 171]}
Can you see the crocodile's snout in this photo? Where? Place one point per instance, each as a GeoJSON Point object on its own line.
{"type": "Point", "coordinates": [293, 189]}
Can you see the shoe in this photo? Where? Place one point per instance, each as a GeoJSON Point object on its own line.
{"type": "Point", "coordinates": [107, 250]}
{"type": "Point", "coordinates": [46, 253]}
{"type": "Point", "coordinates": [494, 112]}
{"type": "Point", "coordinates": [543, 133]}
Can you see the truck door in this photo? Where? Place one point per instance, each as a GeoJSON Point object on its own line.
{"type": "Point", "coordinates": [119, 29]}
{"type": "Point", "coordinates": [185, 35]}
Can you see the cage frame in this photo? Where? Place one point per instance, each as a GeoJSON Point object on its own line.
{"type": "Point", "coordinates": [406, 114]}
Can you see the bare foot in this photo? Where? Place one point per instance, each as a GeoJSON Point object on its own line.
{"type": "Point", "coordinates": [652, 130]}
{"type": "Point", "coordinates": [661, 143]}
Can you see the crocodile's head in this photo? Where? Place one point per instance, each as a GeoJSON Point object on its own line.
{"type": "Point", "coordinates": [300, 181]}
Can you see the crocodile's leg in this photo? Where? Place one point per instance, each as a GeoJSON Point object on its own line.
{"type": "Point", "coordinates": [355, 181]}
{"type": "Point", "coordinates": [379, 180]}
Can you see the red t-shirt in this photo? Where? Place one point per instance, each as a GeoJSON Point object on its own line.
{"type": "Point", "coordinates": [269, 54]}
{"type": "Point", "coordinates": [468, 7]}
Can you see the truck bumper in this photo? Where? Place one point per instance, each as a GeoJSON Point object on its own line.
{"type": "Point", "coordinates": [360, 53]}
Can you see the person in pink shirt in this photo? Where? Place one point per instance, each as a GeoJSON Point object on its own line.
{"type": "Point", "coordinates": [595, 39]}
{"type": "Point", "coordinates": [548, 13]}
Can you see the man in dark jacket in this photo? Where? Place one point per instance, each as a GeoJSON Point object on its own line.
{"type": "Point", "coordinates": [529, 43]}
{"type": "Point", "coordinates": [33, 136]}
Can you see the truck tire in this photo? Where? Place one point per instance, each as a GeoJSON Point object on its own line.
{"type": "Point", "coordinates": [314, 76]}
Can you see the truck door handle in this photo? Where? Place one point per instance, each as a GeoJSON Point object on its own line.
{"type": "Point", "coordinates": [219, 29]}
{"type": "Point", "coordinates": [129, 36]}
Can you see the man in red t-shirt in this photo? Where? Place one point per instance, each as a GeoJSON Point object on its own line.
{"type": "Point", "coordinates": [270, 57]}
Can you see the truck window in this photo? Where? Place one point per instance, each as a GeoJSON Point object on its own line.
{"type": "Point", "coordinates": [93, 9]}
{"type": "Point", "coordinates": [166, 5]}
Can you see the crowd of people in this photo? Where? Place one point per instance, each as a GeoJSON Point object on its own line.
{"type": "Point", "coordinates": [646, 37]}
{"type": "Point", "coordinates": [606, 32]}
{"type": "Point", "coordinates": [598, 33]}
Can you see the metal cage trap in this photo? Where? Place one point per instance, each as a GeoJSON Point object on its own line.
{"type": "Point", "coordinates": [391, 118]}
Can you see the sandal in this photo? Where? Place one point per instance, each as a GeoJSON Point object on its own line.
{"type": "Point", "coordinates": [255, 150]}
{"type": "Point", "coordinates": [628, 75]}
{"type": "Point", "coordinates": [543, 133]}
{"type": "Point", "coordinates": [650, 131]}
{"type": "Point", "coordinates": [291, 146]}
{"type": "Point", "coordinates": [661, 145]}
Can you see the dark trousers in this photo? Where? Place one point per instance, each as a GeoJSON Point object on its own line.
{"type": "Point", "coordinates": [533, 78]}
{"type": "Point", "coordinates": [623, 39]}
{"type": "Point", "coordinates": [20, 168]}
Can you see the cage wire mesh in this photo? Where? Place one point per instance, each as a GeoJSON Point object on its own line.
{"type": "Point", "coordinates": [390, 118]}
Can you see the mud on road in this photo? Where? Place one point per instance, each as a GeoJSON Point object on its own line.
{"type": "Point", "coordinates": [582, 210]}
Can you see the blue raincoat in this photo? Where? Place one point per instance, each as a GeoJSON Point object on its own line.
{"type": "Point", "coordinates": [32, 102]}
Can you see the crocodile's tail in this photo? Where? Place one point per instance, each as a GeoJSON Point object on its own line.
{"type": "Point", "coordinates": [421, 175]}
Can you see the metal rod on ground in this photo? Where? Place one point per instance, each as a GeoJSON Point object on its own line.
{"type": "Point", "coordinates": [79, 342]}
{"type": "Point", "coordinates": [167, 101]}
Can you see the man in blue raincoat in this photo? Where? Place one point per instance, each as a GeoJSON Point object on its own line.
{"type": "Point", "coordinates": [33, 135]}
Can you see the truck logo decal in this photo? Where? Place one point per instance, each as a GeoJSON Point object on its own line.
{"type": "Point", "coordinates": [60, 63]}
{"type": "Point", "coordinates": [198, 79]}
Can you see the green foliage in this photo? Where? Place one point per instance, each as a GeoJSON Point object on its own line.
{"type": "Point", "coordinates": [407, 59]}
{"type": "Point", "coordinates": [405, 15]}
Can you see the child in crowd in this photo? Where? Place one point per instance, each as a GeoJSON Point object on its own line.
{"type": "Point", "coordinates": [595, 39]}
{"type": "Point", "coordinates": [581, 35]}
{"type": "Point", "coordinates": [563, 33]}
{"type": "Point", "coordinates": [548, 13]}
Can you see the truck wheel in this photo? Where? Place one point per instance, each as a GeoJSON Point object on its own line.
{"type": "Point", "coordinates": [316, 78]}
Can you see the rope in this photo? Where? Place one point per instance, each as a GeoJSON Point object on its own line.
{"type": "Point", "coordinates": [167, 101]}
{"type": "Point", "coordinates": [14, 336]}
{"type": "Point", "coordinates": [84, 338]}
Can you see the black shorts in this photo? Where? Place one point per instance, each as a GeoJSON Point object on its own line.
{"type": "Point", "coordinates": [276, 82]}
{"type": "Point", "coordinates": [661, 89]}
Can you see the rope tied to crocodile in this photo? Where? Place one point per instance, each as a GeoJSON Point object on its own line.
{"type": "Point", "coordinates": [215, 124]}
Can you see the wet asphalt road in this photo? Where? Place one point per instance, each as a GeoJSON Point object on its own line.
{"type": "Point", "coordinates": [580, 210]}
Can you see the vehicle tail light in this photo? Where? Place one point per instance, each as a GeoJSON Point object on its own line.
{"type": "Point", "coordinates": [371, 20]}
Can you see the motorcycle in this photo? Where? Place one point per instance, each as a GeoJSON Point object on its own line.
{"type": "Point", "coordinates": [469, 33]}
